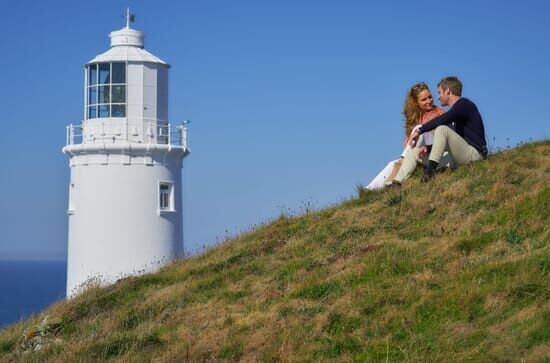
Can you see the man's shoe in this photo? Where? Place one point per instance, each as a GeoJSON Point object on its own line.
{"type": "Point", "coordinates": [429, 171]}
{"type": "Point", "coordinates": [426, 177]}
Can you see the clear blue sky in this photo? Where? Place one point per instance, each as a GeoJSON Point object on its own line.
{"type": "Point", "coordinates": [291, 102]}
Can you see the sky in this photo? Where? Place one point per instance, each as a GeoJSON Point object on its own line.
{"type": "Point", "coordinates": [292, 103]}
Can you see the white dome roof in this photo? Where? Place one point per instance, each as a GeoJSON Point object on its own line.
{"type": "Point", "coordinates": [127, 36]}
{"type": "Point", "coordinates": [127, 46]}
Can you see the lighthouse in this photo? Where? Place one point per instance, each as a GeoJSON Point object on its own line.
{"type": "Point", "coordinates": [125, 160]}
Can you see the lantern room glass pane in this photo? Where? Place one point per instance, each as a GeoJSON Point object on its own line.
{"type": "Point", "coordinates": [118, 110]}
{"type": "Point", "coordinates": [104, 73]}
{"type": "Point", "coordinates": [92, 112]}
{"type": "Point", "coordinates": [92, 74]}
{"type": "Point", "coordinates": [104, 94]}
{"type": "Point", "coordinates": [92, 95]}
{"type": "Point", "coordinates": [119, 94]}
{"type": "Point", "coordinates": [119, 73]}
{"type": "Point", "coordinates": [103, 111]}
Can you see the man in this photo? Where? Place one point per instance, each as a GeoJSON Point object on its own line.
{"type": "Point", "coordinates": [465, 143]}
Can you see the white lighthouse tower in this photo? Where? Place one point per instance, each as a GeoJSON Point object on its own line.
{"type": "Point", "coordinates": [125, 202]}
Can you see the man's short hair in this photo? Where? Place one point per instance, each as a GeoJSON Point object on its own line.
{"type": "Point", "coordinates": [452, 83]}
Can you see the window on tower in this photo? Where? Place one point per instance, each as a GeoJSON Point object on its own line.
{"type": "Point", "coordinates": [106, 90]}
{"type": "Point", "coordinates": [71, 208]}
{"type": "Point", "coordinates": [166, 196]}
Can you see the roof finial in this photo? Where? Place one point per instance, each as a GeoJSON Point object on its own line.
{"type": "Point", "coordinates": [130, 18]}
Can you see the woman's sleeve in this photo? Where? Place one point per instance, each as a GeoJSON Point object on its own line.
{"type": "Point", "coordinates": [421, 139]}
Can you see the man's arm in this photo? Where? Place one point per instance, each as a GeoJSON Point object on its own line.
{"type": "Point", "coordinates": [445, 119]}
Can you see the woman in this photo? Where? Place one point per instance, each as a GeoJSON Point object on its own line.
{"type": "Point", "coordinates": [418, 109]}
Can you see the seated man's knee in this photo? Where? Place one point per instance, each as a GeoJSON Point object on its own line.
{"type": "Point", "coordinates": [442, 130]}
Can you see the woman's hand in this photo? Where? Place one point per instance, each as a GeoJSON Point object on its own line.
{"type": "Point", "coordinates": [423, 150]}
{"type": "Point", "coordinates": [414, 137]}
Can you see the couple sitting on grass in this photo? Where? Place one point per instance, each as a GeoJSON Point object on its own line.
{"type": "Point", "coordinates": [433, 137]}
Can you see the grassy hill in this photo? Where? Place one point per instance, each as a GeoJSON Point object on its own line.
{"type": "Point", "coordinates": [455, 270]}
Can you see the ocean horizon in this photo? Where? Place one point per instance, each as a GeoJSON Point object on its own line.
{"type": "Point", "coordinates": [28, 287]}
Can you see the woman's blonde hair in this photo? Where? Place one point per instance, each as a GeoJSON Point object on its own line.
{"type": "Point", "coordinates": [411, 110]}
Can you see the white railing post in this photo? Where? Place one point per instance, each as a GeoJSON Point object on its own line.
{"type": "Point", "coordinates": [67, 137]}
{"type": "Point", "coordinates": [169, 135]}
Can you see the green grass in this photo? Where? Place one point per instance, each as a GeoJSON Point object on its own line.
{"type": "Point", "coordinates": [455, 270]}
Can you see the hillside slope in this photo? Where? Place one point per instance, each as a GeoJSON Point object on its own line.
{"type": "Point", "coordinates": [458, 269]}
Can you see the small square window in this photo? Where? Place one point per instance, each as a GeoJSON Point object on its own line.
{"type": "Point", "coordinates": [166, 196]}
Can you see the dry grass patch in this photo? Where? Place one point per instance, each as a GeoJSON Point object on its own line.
{"type": "Point", "coordinates": [520, 315]}
{"type": "Point", "coordinates": [457, 268]}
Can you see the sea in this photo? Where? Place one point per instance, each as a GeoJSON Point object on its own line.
{"type": "Point", "coordinates": [28, 287]}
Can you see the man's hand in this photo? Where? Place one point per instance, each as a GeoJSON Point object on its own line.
{"type": "Point", "coordinates": [414, 137]}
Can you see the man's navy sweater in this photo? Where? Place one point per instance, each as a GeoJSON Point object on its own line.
{"type": "Point", "coordinates": [467, 123]}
